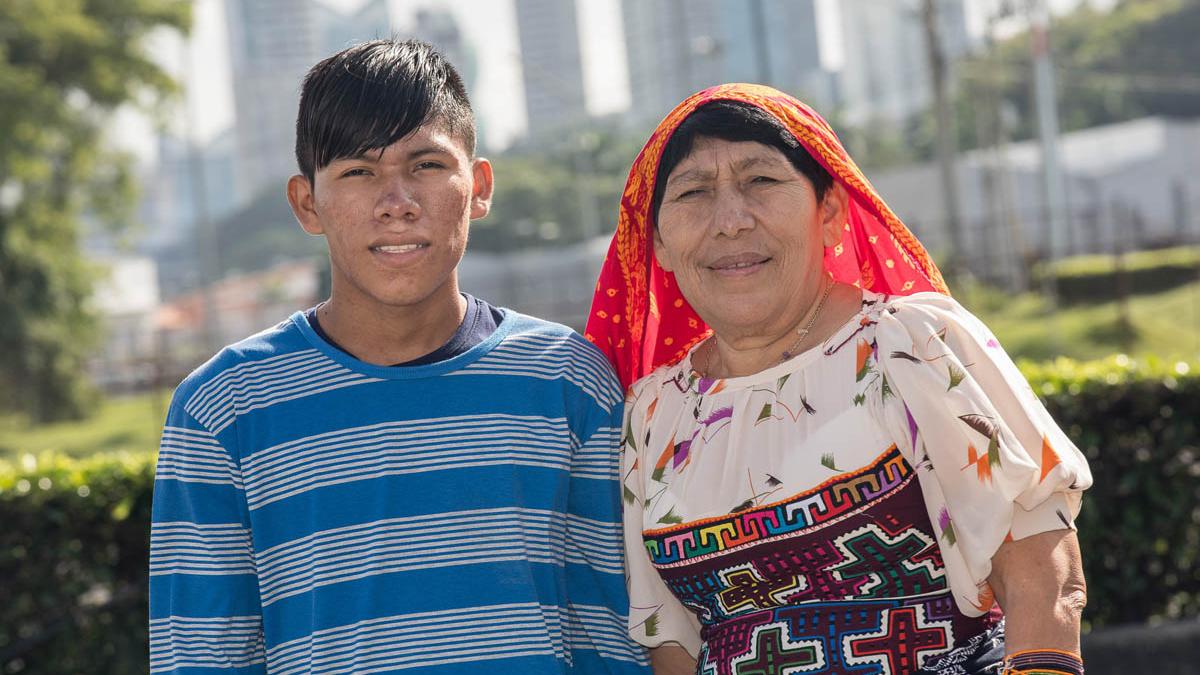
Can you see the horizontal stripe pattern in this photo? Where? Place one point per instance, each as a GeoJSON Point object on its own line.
{"type": "Point", "coordinates": [432, 541]}
{"type": "Point", "coordinates": [191, 548]}
{"type": "Point", "coordinates": [221, 642]}
{"type": "Point", "coordinates": [550, 357]}
{"type": "Point", "coordinates": [602, 630]}
{"type": "Point", "coordinates": [397, 448]}
{"type": "Point", "coordinates": [473, 635]}
{"type": "Point", "coordinates": [596, 457]}
{"type": "Point", "coordinates": [195, 456]}
{"type": "Point", "coordinates": [259, 384]}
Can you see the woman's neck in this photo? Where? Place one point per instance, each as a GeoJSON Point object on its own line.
{"type": "Point", "coordinates": [745, 354]}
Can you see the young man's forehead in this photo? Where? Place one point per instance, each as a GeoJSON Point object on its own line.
{"type": "Point", "coordinates": [424, 140]}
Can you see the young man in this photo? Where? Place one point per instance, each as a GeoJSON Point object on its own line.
{"type": "Point", "coordinates": [403, 477]}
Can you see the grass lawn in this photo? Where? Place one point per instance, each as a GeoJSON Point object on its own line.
{"type": "Point", "coordinates": [1165, 325]}
{"type": "Point", "coordinates": [128, 423]}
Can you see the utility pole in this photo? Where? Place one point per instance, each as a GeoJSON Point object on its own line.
{"type": "Point", "coordinates": [761, 49]}
{"type": "Point", "coordinates": [207, 247]}
{"type": "Point", "coordinates": [946, 145]}
{"type": "Point", "coordinates": [1053, 185]}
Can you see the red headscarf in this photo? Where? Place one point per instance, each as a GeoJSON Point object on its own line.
{"type": "Point", "coordinates": [641, 321]}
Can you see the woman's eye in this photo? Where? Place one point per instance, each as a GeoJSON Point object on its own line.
{"type": "Point", "coordinates": [763, 179]}
{"type": "Point", "coordinates": [689, 193]}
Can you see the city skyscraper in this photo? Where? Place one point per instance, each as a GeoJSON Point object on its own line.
{"type": "Point", "coordinates": [676, 47]}
{"type": "Point", "coordinates": [551, 65]}
{"type": "Point", "coordinates": [885, 73]}
{"type": "Point", "coordinates": [272, 45]}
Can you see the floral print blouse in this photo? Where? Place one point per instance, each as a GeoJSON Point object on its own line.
{"type": "Point", "coordinates": [918, 376]}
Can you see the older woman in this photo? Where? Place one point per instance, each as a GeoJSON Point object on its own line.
{"type": "Point", "coordinates": [829, 465]}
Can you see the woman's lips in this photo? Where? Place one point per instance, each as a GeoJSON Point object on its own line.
{"type": "Point", "coordinates": [739, 265]}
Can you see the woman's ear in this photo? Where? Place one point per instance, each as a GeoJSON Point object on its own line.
{"type": "Point", "coordinates": [834, 212]}
{"type": "Point", "coordinates": [660, 253]}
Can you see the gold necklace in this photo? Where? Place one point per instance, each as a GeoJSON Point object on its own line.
{"type": "Point", "coordinates": [801, 334]}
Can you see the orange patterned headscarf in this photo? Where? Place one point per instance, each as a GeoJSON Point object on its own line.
{"type": "Point", "coordinates": [641, 321]}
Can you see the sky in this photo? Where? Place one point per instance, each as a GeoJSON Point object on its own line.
{"type": "Point", "coordinates": [202, 63]}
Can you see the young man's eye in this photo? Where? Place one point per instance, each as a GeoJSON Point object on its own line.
{"type": "Point", "coordinates": [430, 165]}
{"type": "Point", "coordinates": [355, 172]}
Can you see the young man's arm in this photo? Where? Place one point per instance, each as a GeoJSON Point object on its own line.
{"type": "Point", "coordinates": [205, 613]}
{"type": "Point", "coordinates": [595, 562]}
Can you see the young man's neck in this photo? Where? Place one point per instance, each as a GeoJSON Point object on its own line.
{"type": "Point", "coordinates": [384, 335]}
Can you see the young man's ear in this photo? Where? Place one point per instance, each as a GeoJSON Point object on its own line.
{"type": "Point", "coordinates": [481, 191]}
{"type": "Point", "coordinates": [304, 207]}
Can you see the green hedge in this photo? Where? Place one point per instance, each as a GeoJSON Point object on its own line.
{"type": "Point", "coordinates": [1093, 278]}
{"type": "Point", "coordinates": [74, 542]}
{"type": "Point", "coordinates": [1139, 425]}
{"type": "Point", "coordinates": [73, 546]}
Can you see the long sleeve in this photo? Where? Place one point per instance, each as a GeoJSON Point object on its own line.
{"type": "Point", "coordinates": [597, 604]}
{"type": "Point", "coordinates": [992, 462]}
{"type": "Point", "coordinates": [656, 617]}
{"type": "Point", "coordinates": [205, 611]}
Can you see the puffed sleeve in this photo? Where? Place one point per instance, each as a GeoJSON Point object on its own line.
{"type": "Point", "coordinates": [656, 617]}
{"type": "Point", "coordinates": [993, 464]}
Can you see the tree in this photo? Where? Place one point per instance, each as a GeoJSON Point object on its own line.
{"type": "Point", "coordinates": [64, 67]}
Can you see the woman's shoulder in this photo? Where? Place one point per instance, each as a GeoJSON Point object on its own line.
{"type": "Point", "coordinates": [921, 313]}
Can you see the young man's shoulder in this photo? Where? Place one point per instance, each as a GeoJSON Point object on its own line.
{"type": "Point", "coordinates": [278, 346]}
{"type": "Point", "coordinates": [549, 338]}
{"type": "Point", "coordinates": [538, 343]}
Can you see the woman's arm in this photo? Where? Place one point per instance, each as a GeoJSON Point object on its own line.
{"type": "Point", "coordinates": [672, 660]}
{"type": "Point", "coordinates": [1039, 584]}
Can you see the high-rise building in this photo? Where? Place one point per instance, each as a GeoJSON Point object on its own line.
{"type": "Point", "coordinates": [676, 47]}
{"type": "Point", "coordinates": [272, 45]}
{"type": "Point", "coordinates": [438, 27]}
{"type": "Point", "coordinates": [551, 64]}
{"type": "Point", "coordinates": [371, 21]}
{"type": "Point", "coordinates": [885, 72]}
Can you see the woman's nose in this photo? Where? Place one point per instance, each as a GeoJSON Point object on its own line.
{"type": "Point", "coordinates": [730, 213]}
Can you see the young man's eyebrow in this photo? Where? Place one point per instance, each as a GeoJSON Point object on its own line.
{"type": "Point", "coordinates": [427, 150]}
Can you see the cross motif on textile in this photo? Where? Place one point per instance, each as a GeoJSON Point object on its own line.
{"type": "Point", "coordinates": [901, 641]}
{"type": "Point", "coordinates": [771, 657]}
{"type": "Point", "coordinates": [748, 589]}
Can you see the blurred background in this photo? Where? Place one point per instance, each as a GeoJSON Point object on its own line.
{"type": "Point", "coordinates": [1047, 152]}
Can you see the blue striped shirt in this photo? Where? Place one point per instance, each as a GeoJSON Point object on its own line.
{"type": "Point", "coordinates": [317, 514]}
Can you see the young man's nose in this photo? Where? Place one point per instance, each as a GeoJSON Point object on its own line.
{"type": "Point", "coordinates": [397, 203]}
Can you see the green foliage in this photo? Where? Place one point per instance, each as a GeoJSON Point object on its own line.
{"type": "Point", "coordinates": [73, 556]}
{"type": "Point", "coordinates": [63, 67]}
{"type": "Point", "coordinates": [1138, 422]}
{"type": "Point", "coordinates": [1136, 60]}
{"type": "Point", "coordinates": [554, 192]}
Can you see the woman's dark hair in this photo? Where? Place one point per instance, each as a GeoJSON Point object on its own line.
{"type": "Point", "coordinates": [373, 94]}
{"type": "Point", "coordinates": [735, 121]}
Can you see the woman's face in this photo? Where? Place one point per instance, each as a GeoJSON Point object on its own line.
{"type": "Point", "coordinates": [743, 232]}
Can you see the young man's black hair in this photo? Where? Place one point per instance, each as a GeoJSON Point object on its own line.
{"type": "Point", "coordinates": [372, 95]}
